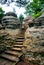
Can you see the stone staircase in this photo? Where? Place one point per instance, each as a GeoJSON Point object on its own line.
{"type": "Point", "coordinates": [12, 55]}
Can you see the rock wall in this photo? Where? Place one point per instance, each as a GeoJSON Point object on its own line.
{"type": "Point", "coordinates": [40, 20]}
{"type": "Point", "coordinates": [11, 21]}
{"type": "Point", "coordinates": [34, 42]}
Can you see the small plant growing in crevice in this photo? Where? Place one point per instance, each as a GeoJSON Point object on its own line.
{"type": "Point", "coordinates": [2, 48]}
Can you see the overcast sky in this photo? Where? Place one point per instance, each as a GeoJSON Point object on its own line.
{"type": "Point", "coordinates": [19, 10]}
{"type": "Point", "coordinates": [11, 7]}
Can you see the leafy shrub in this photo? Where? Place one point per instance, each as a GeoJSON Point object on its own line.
{"type": "Point", "coordinates": [37, 15]}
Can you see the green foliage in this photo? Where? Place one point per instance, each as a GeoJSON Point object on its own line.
{"type": "Point", "coordinates": [37, 15]}
{"type": "Point", "coordinates": [21, 17]}
{"type": "Point", "coordinates": [2, 48]}
{"type": "Point", "coordinates": [34, 7]}
{"type": "Point", "coordinates": [19, 3]}
{"type": "Point", "coordinates": [42, 1]}
{"type": "Point", "coordinates": [1, 13]}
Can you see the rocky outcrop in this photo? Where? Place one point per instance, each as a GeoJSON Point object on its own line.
{"type": "Point", "coordinates": [34, 41]}
{"type": "Point", "coordinates": [11, 55]}
{"type": "Point", "coordinates": [10, 21]}
{"type": "Point", "coordinates": [29, 21]}
{"type": "Point", "coordinates": [1, 27]}
{"type": "Point", "coordinates": [40, 20]}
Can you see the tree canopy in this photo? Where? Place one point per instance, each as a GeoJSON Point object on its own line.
{"type": "Point", "coordinates": [19, 3]}
{"type": "Point", "coordinates": [22, 2]}
{"type": "Point", "coordinates": [34, 7]}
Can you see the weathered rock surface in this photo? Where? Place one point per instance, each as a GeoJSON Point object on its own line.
{"type": "Point", "coordinates": [14, 51]}
{"type": "Point", "coordinates": [10, 21]}
{"type": "Point", "coordinates": [34, 39]}
{"type": "Point", "coordinates": [40, 20]}
{"type": "Point", "coordinates": [1, 27]}
{"type": "Point", "coordinates": [34, 42]}
{"type": "Point", "coordinates": [8, 36]}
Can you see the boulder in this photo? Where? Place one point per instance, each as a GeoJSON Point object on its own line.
{"type": "Point", "coordinates": [11, 21]}
{"type": "Point", "coordinates": [40, 20]}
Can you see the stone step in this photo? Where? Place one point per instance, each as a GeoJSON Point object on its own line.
{"type": "Point", "coordinates": [18, 46]}
{"type": "Point", "coordinates": [19, 40]}
{"type": "Point", "coordinates": [3, 63]}
{"type": "Point", "coordinates": [9, 57]}
{"type": "Point", "coordinates": [22, 31]}
{"type": "Point", "coordinates": [13, 53]}
{"type": "Point", "coordinates": [6, 62]}
{"type": "Point", "coordinates": [16, 49]}
{"type": "Point", "coordinates": [20, 37]}
{"type": "Point", "coordinates": [19, 43]}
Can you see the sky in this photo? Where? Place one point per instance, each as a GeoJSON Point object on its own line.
{"type": "Point", "coordinates": [18, 10]}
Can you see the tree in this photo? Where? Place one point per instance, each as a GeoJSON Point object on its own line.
{"type": "Point", "coordinates": [21, 17]}
{"type": "Point", "coordinates": [19, 3]}
{"type": "Point", "coordinates": [22, 3]}
{"type": "Point", "coordinates": [34, 7]}
{"type": "Point", "coordinates": [1, 13]}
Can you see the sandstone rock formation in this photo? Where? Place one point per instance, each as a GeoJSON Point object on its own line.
{"type": "Point", "coordinates": [10, 21]}
{"type": "Point", "coordinates": [40, 20]}
{"type": "Point", "coordinates": [34, 41]}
